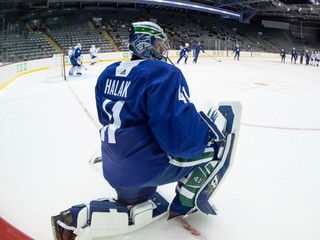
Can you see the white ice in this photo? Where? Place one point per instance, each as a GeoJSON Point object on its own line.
{"type": "Point", "coordinates": [49, 131]}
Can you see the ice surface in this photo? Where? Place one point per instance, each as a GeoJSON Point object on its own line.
{"type": "Point", "coordinates": [47, 137]}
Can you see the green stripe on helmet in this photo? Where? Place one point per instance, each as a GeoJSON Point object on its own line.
{"type": "Point", "coordinates": [149, 30]}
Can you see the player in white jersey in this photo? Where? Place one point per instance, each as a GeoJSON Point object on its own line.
{"type": "Point", "coordinates": [317, 58]}
{"type": "Point", "coordinates": [93, 54]}
{"type": "Point", "coordinates": [312, 57]}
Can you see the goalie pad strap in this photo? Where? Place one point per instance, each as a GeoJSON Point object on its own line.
{"type": "Point", "coordinates": [183, 162]}
{"type": "Point", "coordinates": [65, 226]}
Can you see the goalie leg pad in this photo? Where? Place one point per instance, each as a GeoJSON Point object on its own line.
{"type": "Point", "coordinates": [72, 69]}
{"type": "Point", "coordinates": [232, 113]}
{"type": "Point", "coordinates": [108, 217]}
{"type": "Point", "coordinates": [79, 69]}
{"type": "Point", "coordinates": [197, 188]}
{"type": "Point", "coordinates": [108, 214]}
{"type": "Point", "coordinates": [193, 183]}
{"type": "Point", "coordinates": [213, 181]}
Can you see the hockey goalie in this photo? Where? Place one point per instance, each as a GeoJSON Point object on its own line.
{"type": "Point", "coordinates": [152, 135]}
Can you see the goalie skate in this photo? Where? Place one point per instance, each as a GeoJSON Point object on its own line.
{"type": "Point", "coordinates": [66, 232]}
{"type": "Point", "coordinates": [232, 112]}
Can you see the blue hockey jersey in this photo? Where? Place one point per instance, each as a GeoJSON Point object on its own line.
{"type": "Point", "coordinates": [184, 51]}
{"type": "Point", "coordinates": [146, 115]}
{"type": "Point", "coordinates": [74, 57]}
{"type": "Point", "coordinates": [198, 48]}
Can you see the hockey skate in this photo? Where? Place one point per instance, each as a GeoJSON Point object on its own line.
{"type": "Point", "coordinates": [196, 189]}
{"type": "Point", "coordinates": [63, 226]}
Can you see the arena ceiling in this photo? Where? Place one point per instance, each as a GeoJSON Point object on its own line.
{"type": "Point", "coordinates": [244, 10]}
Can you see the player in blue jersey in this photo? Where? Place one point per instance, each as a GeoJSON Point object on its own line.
{"type": "Point", "coordinates": [294, 55]}
{"type": "Point", "coordinates": [151, 135]}
{"type": "Point", "coordinates": [197, 50]}
{"type": "Point", "coordinates": [307, 57]}
{"type": "Point", "coordinates": [93, 51]}
{"type": "Point", "coordinates": [236, 51]}
{"type": "Point", "coordinates": [184, 53]}
{"type": "Point", "coordinates": [75, 60]}
{"type": "Point", "coordinates": [283, 55]}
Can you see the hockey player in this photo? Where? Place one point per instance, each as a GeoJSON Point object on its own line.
{"type": "Point", "coordinates": [76, 61]}
{"type": "Point", "coordinates": [307, 57]}
{"type": "Point", "coordinates": [283, 55]}
{"type": "Point", "coordinates": [301, 56]}
{"type": "Point", "coordinates": [236, 51]}
{"type": "Point", "coordinates": [93, 54]}
{"type": "Point", "coordinates": [316, 58]}
{"type": "Point", "coordinates": [197, 50]}
{"type": "Point", "coordinates": [152, 135]}
{"type": "Point", "coordinates": [183, 53]}
{"type": "Point", "coordinates": [312, 57]}
{"type": "Point", "coordinates": [294, 55]}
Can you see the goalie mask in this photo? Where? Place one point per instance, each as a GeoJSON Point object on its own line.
{"type": "Point", "coordinates": [148, 40]}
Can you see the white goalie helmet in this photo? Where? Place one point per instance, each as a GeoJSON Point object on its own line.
{"type": "Point", "coordinates": [187, 45]}
{"type": "Point", "coordinates": [78, 45]}
{"type": "Point", "coordinates": [148, 40]}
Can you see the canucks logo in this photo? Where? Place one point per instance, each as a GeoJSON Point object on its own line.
{"type": "Point", "coordinates": [214, 183]}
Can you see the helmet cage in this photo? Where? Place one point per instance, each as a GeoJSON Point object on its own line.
{"type": "Point", "coordinates": [147, 40]}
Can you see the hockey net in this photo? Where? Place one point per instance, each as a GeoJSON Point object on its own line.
{"type": "Point", "coordinates": [56, 70]}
